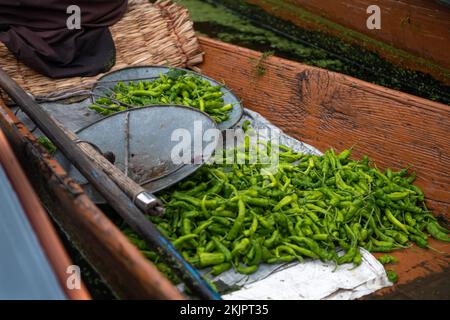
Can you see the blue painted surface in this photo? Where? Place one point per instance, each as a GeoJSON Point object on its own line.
{"type": "Point", "coordinates": [25, 272]}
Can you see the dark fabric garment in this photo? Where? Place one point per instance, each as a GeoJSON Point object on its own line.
{"type": "Point", "coordinates": [36, 32]}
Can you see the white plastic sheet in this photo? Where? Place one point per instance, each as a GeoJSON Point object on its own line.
{"type": "Point", "coordinates": [314, 280]}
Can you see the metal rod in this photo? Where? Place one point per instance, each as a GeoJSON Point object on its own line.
{"type": "Point", "coordinates": [109, 190]}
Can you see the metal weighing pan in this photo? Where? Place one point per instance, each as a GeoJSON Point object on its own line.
{"type": "Point", "coordinates": [108, 81]}
{"type": "Point", "coordinates": [141, 141]}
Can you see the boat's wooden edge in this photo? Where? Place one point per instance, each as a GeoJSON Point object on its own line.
{"type": "Point", "coordinates": [319, 107]}
{"type": "Point", "coordinates": [127, 272]}
{"type": "Point", "coordinates": [40, 222]}
{"type": "Point", "coordinates": [413, 34]}
{"type": "Point", "coordinates": [326, 109]}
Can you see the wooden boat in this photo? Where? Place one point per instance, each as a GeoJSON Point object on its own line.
{"type": "Point", "coordinates": [319, 107]}
{"type": "Point", "coordinates": [413, 33]}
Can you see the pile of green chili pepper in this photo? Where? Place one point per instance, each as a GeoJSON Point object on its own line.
{"type": "Point", "coordinates": [176, 87]}
{"type": "Point", "coordinates": [319, 207]}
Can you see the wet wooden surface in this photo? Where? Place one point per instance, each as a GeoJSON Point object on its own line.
{"type": "Point", "coordinates": [420, 27]}
{"type": "Point", "coordinates": [326, 110]}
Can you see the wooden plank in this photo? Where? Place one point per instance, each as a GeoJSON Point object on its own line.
{"type": "Point", "coordinates": [327, 109]}
{"type": "Point", "coordinates": [419, 27]}
{"type": "Point", "coordinates": [128, 273]}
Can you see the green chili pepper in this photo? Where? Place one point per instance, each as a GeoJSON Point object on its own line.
{"type": "Point", "coordinates": [221, 220]}
{"type": "Point", "coordinates": [238, 222]}
{"type": "Point", "coordinates": [439, 227]}
{"type": "Point", "coordinates": [348, 256]}
{"type": "Point", "coordinates": [283, 202]}
{"type": "Point", "coordinates": [392, 276]}
{"type": "Point", "coordinates": [210, 246]}
{"type": "Point", "coordinates": [186, 226]}
{"type": "Point", "coordinates": [409, 219]}
{"type": "Point", "coordinates": [184, 88]}
{"type": "Point", "coordinates": [312, 245]}
{"type": "Point", "coordinates": [302, 251]}
{"type": "Point", "coordinates": [210, 259]}
{"type": "Point", "coordinates": [240, 247]}
{"type": "Point", "coordinates": [397, 195]}
{"type": "Point", "coordinates": [266, 254]}
{"type": "Point", "coordinates": [316, 208]}
{"type": "Point", "coordinates": [253, 227]}
{"type": "Point", "coordinates": [417, 232]}
{"type": "Point", "coordinates": [420, 194]}
{"type": "Point", "coordinates": [258, 253]}
{"type": "Point", "coordinates": [224, 213]}
{"type": "Point", "coordinates": [363, 235]}
{"type": "Point", "coordinates": [395, 222]}
{"type": "Point", "coordinates": [196, 190]}
{"type": "Point", "coordinates": [381, 243]}
{"type": "Point", "coordinates": [284, 248]}
{"type": "Point", "coordinates": [216, 188]}
{"type": "Point", "coordinates": [203, 226]}
{"type": "Point", "coordinates": [263, 221]}
{"type": "Point", "coordinates": [273, 240]}
{"type": "Point", "coordinates": [344, 155]}
{"type": "Point", "coordinates": [247, 269]}
{"type": "Point", "coordinates": [386, 259]}
{"type": "Point", "coordinates": [182, 240]}
{"type": "Point", "coordinates": [419, 241]}
{"type": "Point", "coordinates": [222, 248]}
{"type": "Point", "coordinates": [257, 201]}
{"type": "Point", "coordinates": [321, 236]}
{"type": "Point", "coordinates": [381, 249]}
{"type": "Point", "coordinates": [437, 233]}
{"type": "Point", "coordinates": [282, 259]}
{"type": "Point", "coordinates": [220, 268]}
{"type": "Point", "coordinates": [357, 259]}
{"type": "Point", "coordinates": [196, 202]}
{"type": "Point", "coordinates": [218, 229]}
{"type": "Point", "coordinates": [341, 184]}
{"type": "Point", "coordinates": [401, 238]}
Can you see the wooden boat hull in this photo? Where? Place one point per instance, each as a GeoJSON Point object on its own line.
{"type": "Point", "coordinates": [414, 33]}
{"type": "Point", "coordinates": [321, 108]}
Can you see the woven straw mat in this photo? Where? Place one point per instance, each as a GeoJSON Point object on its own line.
{"type": "Point", "coordinates": [158, 33]}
